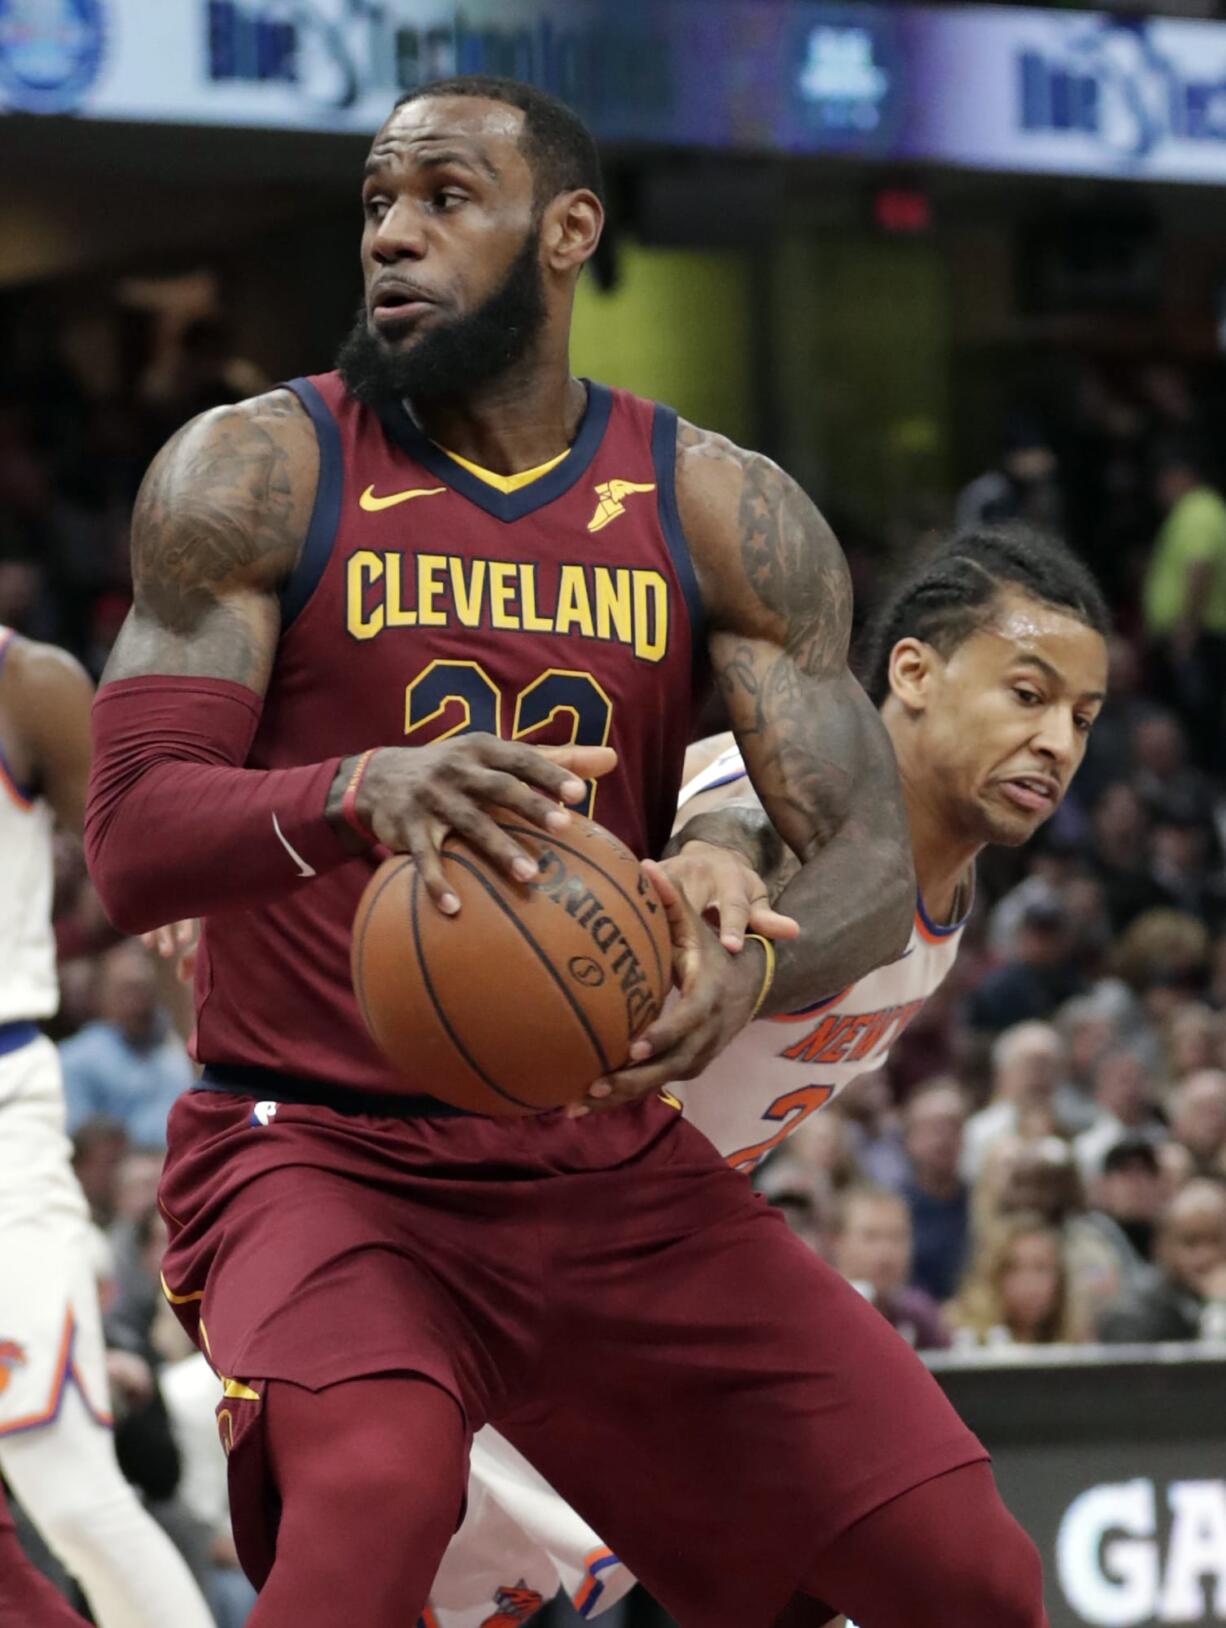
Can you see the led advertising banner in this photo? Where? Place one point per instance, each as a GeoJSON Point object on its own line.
{"type": "Point", "coordinates": [998, 88]}
{"type": "Point", "coordinates": [1114, 1461]}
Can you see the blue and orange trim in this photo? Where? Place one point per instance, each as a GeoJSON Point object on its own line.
{"type": "Point", "coordinates": [66, 1371]}
{"type": "Point", "coordinates": [933, 932]}
{"type": "Point", "coordinates": [593, 1584]}
{"type": "Point", "coordinates": [804, 1012]}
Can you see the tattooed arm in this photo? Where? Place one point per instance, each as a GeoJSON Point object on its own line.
{"type": "Point", "coordinates": [217, 529]}
{"type": "Point", "coordinates": [176, 824]}
{"type": "Point", "coordinates": [778, 599]}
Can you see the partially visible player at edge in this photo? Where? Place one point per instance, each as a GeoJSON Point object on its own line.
{"type": "Point", "coordinates": [988, 663]}
{"type": "Point", "coordinates": [56, 1451]}
{"type": "Point", "coordinates": [332, 584]}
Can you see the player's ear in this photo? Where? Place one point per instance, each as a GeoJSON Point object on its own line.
{"type": "Point", "coordinates": [912, 668]}
{"type": "Point", "coordinates": [570, 230]}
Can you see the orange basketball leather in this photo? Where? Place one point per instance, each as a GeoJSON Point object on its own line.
{"type": "Point", "coordinates": [532, 991]}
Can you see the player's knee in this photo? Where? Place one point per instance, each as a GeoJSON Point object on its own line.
{"type": "Point", "coordinates": [397, 1461]}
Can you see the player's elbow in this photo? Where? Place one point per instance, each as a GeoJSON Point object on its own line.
{"type": "Point", "coordinates": [121, 877]}
{"type": "Point", "coordinates": [895, 896]}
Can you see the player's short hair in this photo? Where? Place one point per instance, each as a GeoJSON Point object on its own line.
{"type": "Point", "coordinates": [955, 591]}
{"type": "Point", "coordinates": [557, 144]}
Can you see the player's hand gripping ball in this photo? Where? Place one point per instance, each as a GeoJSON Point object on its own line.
{"type": "Point", "coordinates": [533, 990]}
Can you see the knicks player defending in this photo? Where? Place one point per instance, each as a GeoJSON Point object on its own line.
{"type": "Point", "coordinates": [988, 664]}
{"type": "Point", "coordinates": [360, 602]}
{"type": "Point", "coordinates": [56, 1451]}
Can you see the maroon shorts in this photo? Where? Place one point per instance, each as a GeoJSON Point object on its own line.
{"type": "Point", "coordinates": [716, 1401]}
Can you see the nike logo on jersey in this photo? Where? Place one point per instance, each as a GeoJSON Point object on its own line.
{"type": "Point", "coordinates": [303, 868]}
{"type": "Point", "coordinates": [610, 494]}
{"type": "Point", "coordinates": [373, 504]}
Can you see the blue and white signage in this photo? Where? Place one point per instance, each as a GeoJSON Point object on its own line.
{"type": "Point", "coordinates": [1069, 93]}
{"type": "Point", "coordinates": [989, 87]}
{"type": "Point", "coordinates": [50, 53]}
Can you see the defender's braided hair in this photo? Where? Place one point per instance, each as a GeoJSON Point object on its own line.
{"type": "Point", "coordinates": [954, 592]}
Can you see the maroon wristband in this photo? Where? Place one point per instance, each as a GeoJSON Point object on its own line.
{"type": "Point", "coordinates": [349, 802]}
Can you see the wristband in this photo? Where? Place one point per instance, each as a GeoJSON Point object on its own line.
{"type": "Point", "coordinates": [349, 802]}
{"type": "Point", "coordinates": [768, 976]}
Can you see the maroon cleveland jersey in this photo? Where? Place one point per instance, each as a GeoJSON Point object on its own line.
{"type": "Point", "coordinates": [428, 602]}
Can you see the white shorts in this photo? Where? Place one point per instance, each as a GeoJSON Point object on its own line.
{"type": "Point", "coordinates": [50, 1324]}
{"type": "Point", "coordinates": [518, 1544]}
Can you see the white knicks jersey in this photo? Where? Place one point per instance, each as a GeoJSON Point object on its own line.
{"type": "Point", "coordinates": [781, 1069]}
{"type": "Point", "coordinates": [28, 987]}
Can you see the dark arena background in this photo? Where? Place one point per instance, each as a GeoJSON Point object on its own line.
{"type": "Point", "coordinates": [947, 264]}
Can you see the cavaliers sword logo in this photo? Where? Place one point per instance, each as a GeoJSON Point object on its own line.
{"type": "Point", "coordinates": [12, 1356]}
{"type": "Point", "coordinates": [610, 494]}
{"type": "Point", "coordinates": [513, 1606]}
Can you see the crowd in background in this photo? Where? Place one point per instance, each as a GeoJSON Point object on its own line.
{"type": "Point", "coordinates": [1042, 1160]}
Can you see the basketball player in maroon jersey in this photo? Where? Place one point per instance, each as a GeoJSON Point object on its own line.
{"type": "Point", "coordinates": [362, 602]}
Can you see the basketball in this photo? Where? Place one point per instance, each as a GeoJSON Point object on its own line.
{"type": "Point", "coordinates": [532, 991]}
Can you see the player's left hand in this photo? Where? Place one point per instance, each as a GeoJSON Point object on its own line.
{"type": "Point", "coordinates": [722, 886]}
{"type": "Point", "coordinates": [130, 1377]}
{"type": "Point", "coordinates": [178, 940]}
{"type": "Point", "coordinates": [716, 995]}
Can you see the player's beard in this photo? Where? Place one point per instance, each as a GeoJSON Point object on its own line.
{"type": "Point", "coordinates": [452, 359]}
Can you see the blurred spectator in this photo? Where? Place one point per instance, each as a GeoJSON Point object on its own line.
{"type": "Point", "coordinates": [1023, 486]}
{"type": "Point", "coordinates": [1124, 1100]}
{"type": "Point", "coordinates": [196, 368]}
{"type": "Point", "coordinates": [1042, 1178]}
{"type": "Point", "coordinates": [98, 1147]}
{"type": "Point", "coordinates": [1042, 887]}
{"type": "Point", "coordinates": [1216, 989]}
{"type": "Point", "coordinates": [936, 1195]}
{"type": "Point", "coordinates": [876, 1131]}
{"type": "Point", "coordinates": [1089, 1026]}
{"type": "Point", "coordinates": [1027, 1066]}
{"type": "Point", "coordinates": [1186, 860]}
{"type": "Point", "coordinates": [1176, 1166]}
{"type": "Point", "coordinates": [803, 1198]}
{"type": "Point", "coordinates": [872, 1249]}
{"type": "Point", "coordinates": [1198, 1120]}
{"type": "Point", "coordinates": [1164, 958]}
{"type": "Point", "coordinates": [1018, 1289]}
{"type": "Point", "coordinates": [824, 1144]}
{"type": "Point", "coordinates": [128, 1063]}
{"type": "Point", "coordinates": [1184, 598]}
{"type": "Point", "coordinates": [1120, 856]}
{"type": "Point", "coordinates": [1037, 977]}
{"type": "Point", "coordinates": [1193, 1041]}
{"type": "Point", "coordinates": [137, 1291]}
{"type": "Point", "coordinates": [136, 1184]}
{"type": "Point", "coordinates": [1129, 1198]}
{"type": "Point", "coordinates": [1184, 1298]}
{"type": "Point", "coordinates": [1160, 768]}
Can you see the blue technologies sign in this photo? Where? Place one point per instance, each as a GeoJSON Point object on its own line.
{"type": "Point", "coordinates": [1114, 83]}
{"type": "Point", "coordinates": [983, 86]}
{"type": "Point", "coordinates": [1068, 93]}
